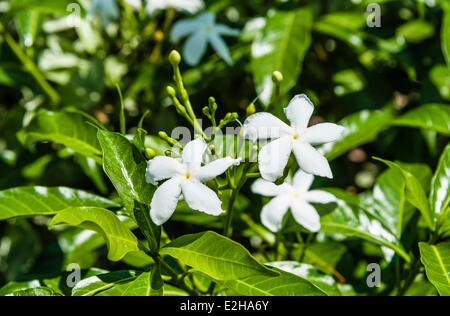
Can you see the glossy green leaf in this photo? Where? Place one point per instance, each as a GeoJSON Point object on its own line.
{"type": "Point", "coordinates": [146, 284]}
{"type": "Point", "coordinates": [32, 201]}
{"type": "Point", "coordinates": [415, 192]}
{"type": "Point", "coordinates": [125, 167]}
{"type": "Point", "coordinates": [96, 284]}
{"type": "Point", "coordinates": [38, 291]}
{"type": "Point", "coordinates": [65, 128]}
{"type": "Point", "coordinates": [119, 238]}
{"type": "Point", "coordinates": [435, 117]}
{"type": "Point", "coordinates": [151, 231]}
{"type": "Point", "coordinates": [436, 259]}
{"type": "Point", "coordinates": [27, 25]}
{"type": "Point", "coordinates": [286, 284]}
{"type": "Point", "coordinates": [440, 186]}
{"type": "Point", "coordinates": [361, 128]}
{"type": "Point", "coordinates": [281, 46]}
{"type": "Point", "coordinates": [350, 219]}
{"type": "Point", "coordinates": [324, 282]}
{"type": "Point", "coordinates": [215, 255]}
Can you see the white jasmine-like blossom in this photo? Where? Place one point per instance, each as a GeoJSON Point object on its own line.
{"type": "Point", "coordinates": [190, 6]}
{"type": "Point", "coordinates": [203, 30]}
{"type": "Point", "coordinates": [185, 179]}
{"type": "Point", "coordinates": [298, 138]}
{"type": "Point", "coordinates": [293, 196]}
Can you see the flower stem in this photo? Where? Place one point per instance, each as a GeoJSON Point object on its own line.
{"type": "Point", "coordinates": [30, 66]}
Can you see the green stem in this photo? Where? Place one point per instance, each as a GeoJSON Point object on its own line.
{"type": "Point", "coordinates": [175, 276]}
{"type": "Point", "coordinates": [32, 69]}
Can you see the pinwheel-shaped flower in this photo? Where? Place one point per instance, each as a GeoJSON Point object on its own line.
{"type": "Point", "coordinates": [185, 179]}
{"type": "Point", "coordinates": [190, 6]}
{"type": "Point", "coordinates": [298, 138]}
{"type": "Point", "coordinates": [293, 196]}
{"type": "Point", "coordinates": [203, 30]}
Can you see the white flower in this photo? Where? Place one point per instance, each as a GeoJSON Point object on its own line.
{"type": "Point", "coordinates": [298, 138]}
{"type": "Point", "coordinates": [295, 197]}
{"type": "Point", "coordinates": [203, 30]}
{"type": "Point", "coordinates": [190, 6]}
{"type": "Point", "coordinates": [185, 179]}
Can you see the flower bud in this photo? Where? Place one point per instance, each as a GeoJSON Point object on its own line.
{"type": "Point", "coordinates": [205, 111]}
{"type": "Point", "coordinates": [174, 58]}
{"type": "Point", "coordinates": [149, 153]}
{"type": "Point", "coordinates": [212, 104]}
{"type": "Point", "coordinates": [251, 109]}
{"type": "Point", "coordinates": [277, 77]}
{"type": "Point", "coordinates": [171, 91]}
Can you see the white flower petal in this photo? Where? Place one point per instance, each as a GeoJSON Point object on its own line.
{"type": "Point", "coordinates": [215, 168]}
{"type": "Point", "coordinates": [201, 198]}
{"type": "Point", "coordinates": [183, 28]}
{"type": "Point", "coordinates": [267, 188]}
{"type": "Point", "coordinates": [273, 212]}
{"type": "Point", "coordinates": [195, 48]}
{"type": "Point", "coordinates": [264, 126]}
{"type": "Point", "coordinates": [318, 196]}
{"type": "Point", "coordinates": [302, 180]}
{"type": "Point", "coordinates": [165, 201]}
{"type": "Point", "coordinates": [225, 30]}
{"type": "Point", "coordinates": [306, 215]}
{"type": "Point", "coordinates": [299, 111]}
{"type": "Point", "coordinates": [274, 157]}
{"type": "Point", "coordinates": [193, 154]}
{"type": "Point", "coordinates": [323, 133]}
{"type": "Point", "coordinates": [220, 47]}
{"type": "Point", "coordinates": [311, 161]}
{"type": "Point", "coordinates": [162, 168]}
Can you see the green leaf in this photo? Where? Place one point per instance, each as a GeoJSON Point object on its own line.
{"type": "Point", "coordinates": [436, 259]}
{"type": "Point", "coordinates": [286, 284]}
{"type": "Point", "coordinates": [445, 36]}
{"type": "Point", "coordinates": [147, 284]}
{"type": "Point", "coordinates": [125, 167]}
{"type": "Point", "coordinates": [350, 219]}
{"type": "Point", "coordinates": [435, 117]}
{"type": "Point", "coordinates": [151, 231]}
{"type": "Point", "coordinates": [119, 238]}
{"type": "Point", "coordinates": [361, 128]}
{"type": "Point", "coordinates": [38, 291]}
{"type": "Point", "coordinates": [33, 201]}
{"type": "Point", "coordinates": [65, 128]}
{"type": "Point", "coordinates": [96, 284]}
{"type": "Point", "coordinates": [281, 46]}
{"type": "Point", "coordinates": [27, 26]}
{"type": "Point", "coordinates": [47, 6]}
{"type": "Point", "coordinates": [324, 282]}
{"type": "Point", "coordinates": [415, 192]}
{"type": "Point", "coordinates": [416, 31]}
{"type": "Point", "coordinates": [440, 185]}
{"type": "Point", "coordinates": [440, 76]}
{"type": "Point", "coordinates": [216, 256]}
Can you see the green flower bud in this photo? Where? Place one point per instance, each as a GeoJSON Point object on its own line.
{"type": "Point", "coordinates": [205, 111]}
{"type": "Point", "coordinates": [174, 58]}
{"type": "Point", "coordinates": [163, 135]}
{"type": "Point", "coordinates": [149, 153]}
{"type": "Point", "coordinates": [251, 109]}
{"type": "Point", "coordinates": [277, 77]}
{"type": "Point", "coordinates": [171, 91]}
{"type": "Point", "coordinates": [212, 104]}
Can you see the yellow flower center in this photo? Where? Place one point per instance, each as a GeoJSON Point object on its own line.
{"type": "Point", "coordinates": [187, 176]}
{"type": "Point", "coordinates": [296, 136]}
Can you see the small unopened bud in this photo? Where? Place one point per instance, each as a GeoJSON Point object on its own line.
{"type": "Point", "coordinates": [159, 36]}
{"type": "Point", "coordinates": [163, 135]}
{"type": "Point", "coordinates": [174, 58]}
{"type": "Point", "coordinates": [277, 77]}
{"type": "Point", "coordinates": [234, 116]}
{"type": "Point", "coordinates": [171, 91]}
{"type": "Point", "coordinates": [251, 109]}
{"type": "Point", "coordinates": [149, 153]}
{"type": "Point", "coordinates": [168, 153]}
{"type": "Point", "coordinates": [206, 112]}
{"type": "Point", "coordinates": [212, 104]}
